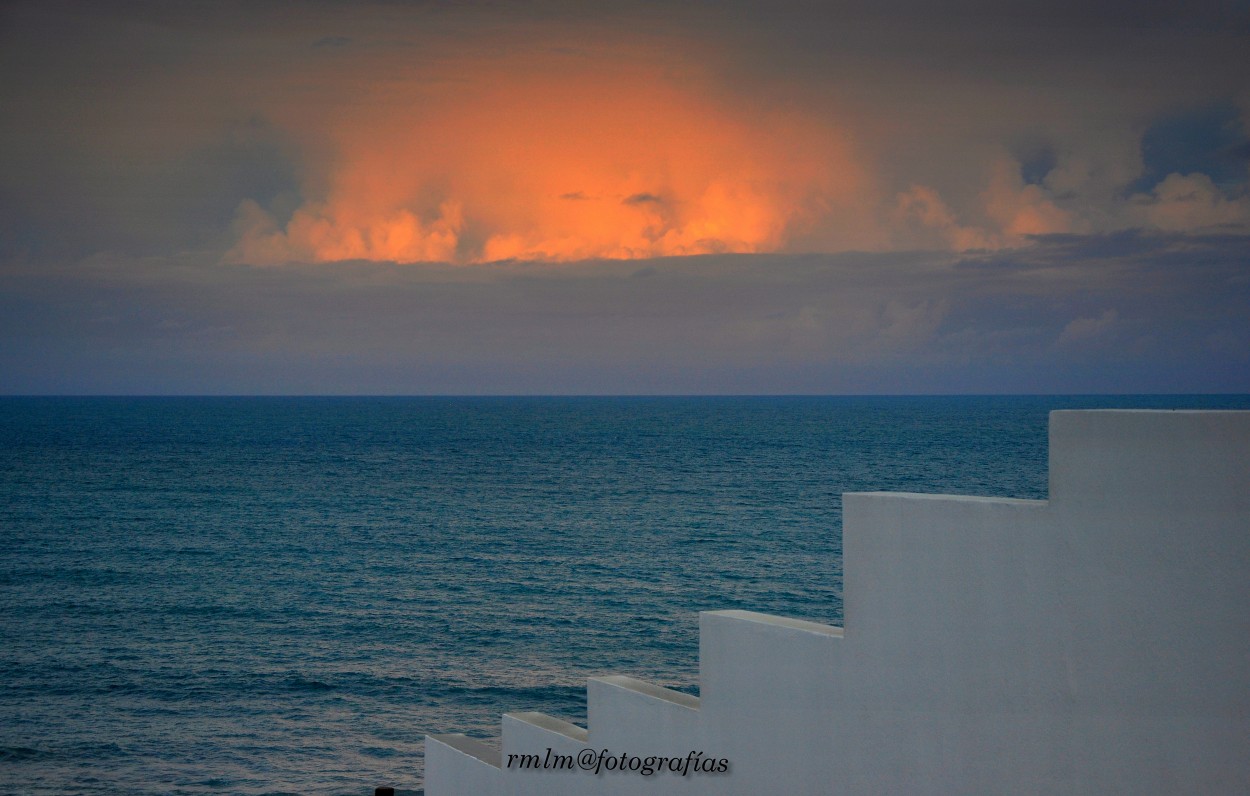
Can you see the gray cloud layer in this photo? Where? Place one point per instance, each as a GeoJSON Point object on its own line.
{"type": "Point", "coordinates": [1124, 313]}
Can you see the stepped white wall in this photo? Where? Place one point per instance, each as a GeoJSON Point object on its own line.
{"type": "Point", "coordinates": [1095, 642]}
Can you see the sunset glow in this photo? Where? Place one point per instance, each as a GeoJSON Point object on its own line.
{"type": "Point", "coordinates": [558, 159]}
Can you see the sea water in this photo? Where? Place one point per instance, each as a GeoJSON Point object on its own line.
{"type": "Point", "coordinates": [283, 595]}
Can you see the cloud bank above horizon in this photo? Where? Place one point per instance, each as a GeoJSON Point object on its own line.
{"type": "Point", "coordinates": [1076, 314]}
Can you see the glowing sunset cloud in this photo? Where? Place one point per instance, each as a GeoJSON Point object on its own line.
{"type": "Point", "coordinates": [559, 158]}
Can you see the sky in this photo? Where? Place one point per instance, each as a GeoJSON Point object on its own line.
{"type": "Point", "coordinates": [624, 198]}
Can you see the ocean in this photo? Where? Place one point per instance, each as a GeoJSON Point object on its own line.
{"type": "Point", "coordinates": [284, 595]}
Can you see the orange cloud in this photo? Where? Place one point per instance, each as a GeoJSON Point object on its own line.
{"type": "Point", "coordinates": [1022, 209]}
{"type": "Point", "coordinates": [559, 157]}
{"type": "Point", "coordinates": [1192, 201]}
{"type": "Point", "coordinates": [923, 205]}
{"type": "Point", "coordinates": [1012, 209]}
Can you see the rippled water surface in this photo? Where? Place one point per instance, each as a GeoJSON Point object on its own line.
{"type": "Point", "coordinates": [273, 595]}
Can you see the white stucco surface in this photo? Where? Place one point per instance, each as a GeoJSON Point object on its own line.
{"type": "Point", "coordinates": [1096, 642]}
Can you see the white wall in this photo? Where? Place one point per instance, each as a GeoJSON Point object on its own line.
{"type": "Point", "coordinates": [1097, 642]}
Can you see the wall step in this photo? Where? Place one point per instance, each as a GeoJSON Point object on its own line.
{"type": "Point", "coordinates": [456, 764]}
{"type": "Point", "coordinates": [629, 713]}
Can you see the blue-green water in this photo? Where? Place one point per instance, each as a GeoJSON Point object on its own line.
{"type": "Point", "coordinates": [283, 595]}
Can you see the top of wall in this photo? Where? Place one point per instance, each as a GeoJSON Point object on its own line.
{"type": "Point", "coordinates": [1150, 460]}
